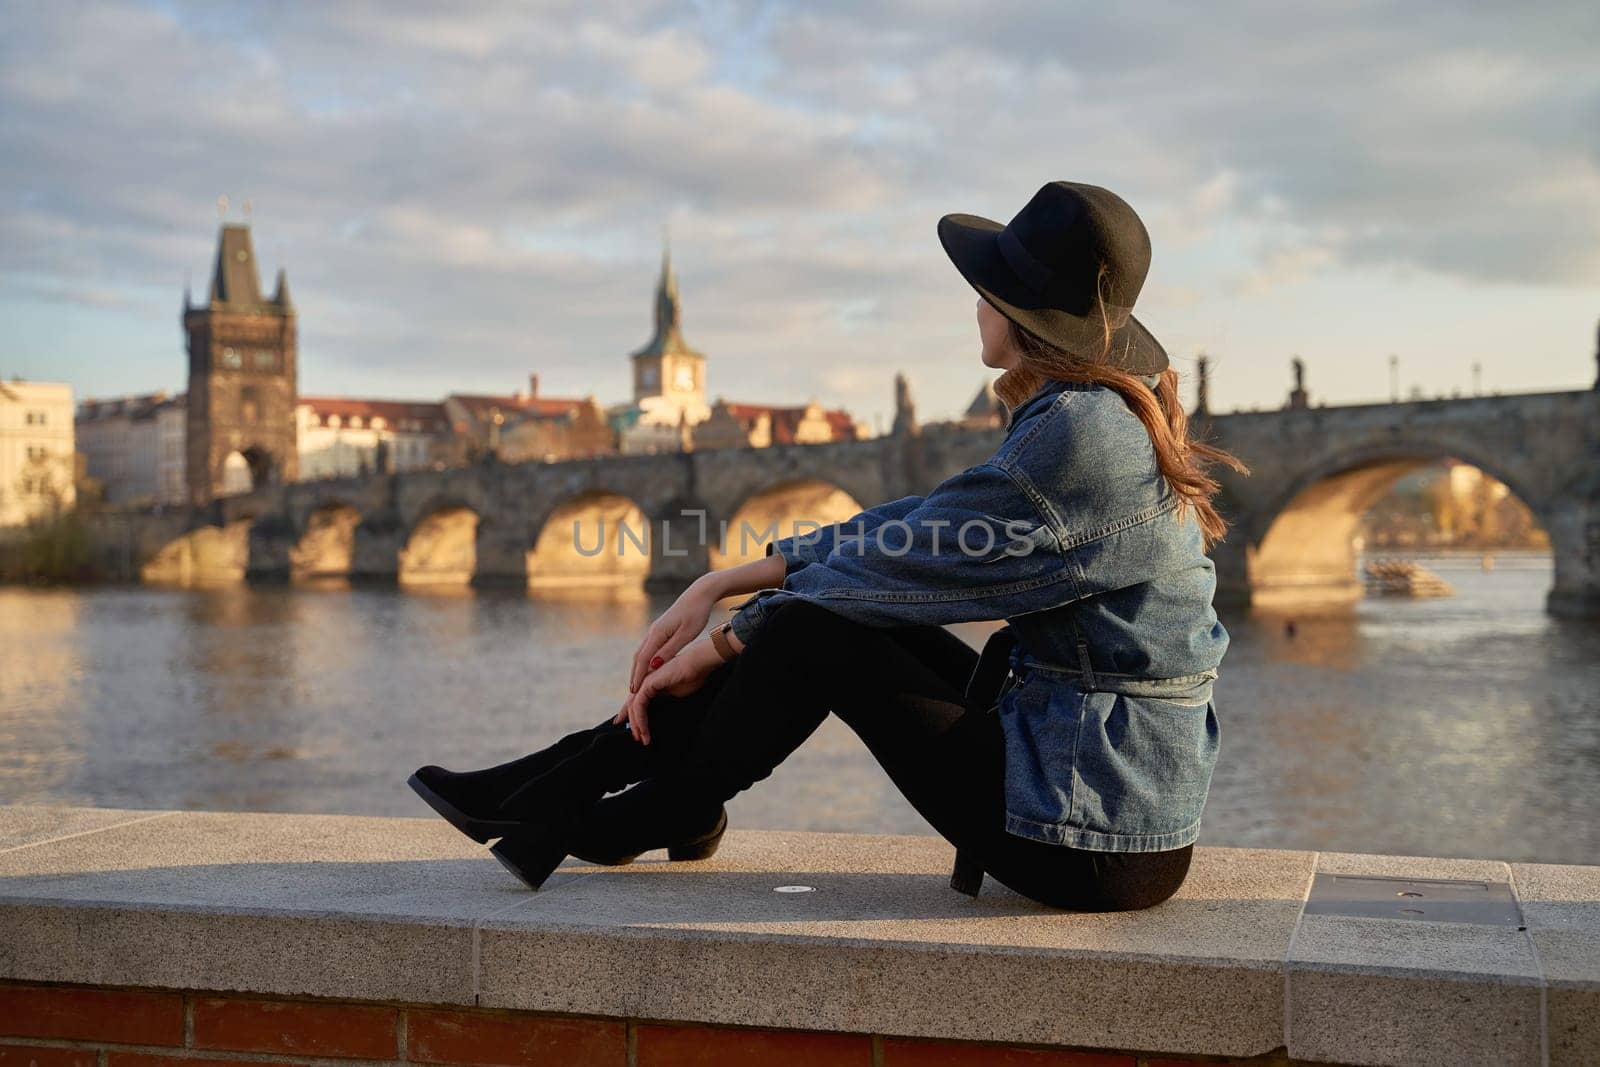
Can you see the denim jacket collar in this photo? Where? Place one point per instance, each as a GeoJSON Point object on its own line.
{"type": "Point", "coordinates": [1054, 387]}
{"type": "Point", "coordinates": [1041, 398]}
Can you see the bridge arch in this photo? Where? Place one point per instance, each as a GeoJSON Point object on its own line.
{"type": "Point", "coordinates": [324, 549]}
{"type": "Point", "coordinates": [440, 549]}
{"type": "Point", "coordinates": [245, 470]}
{"type": "Point", "coordinates": [212, 554]}
{"type": "Point", "coordinates": [595, 539]}
{"type": "Point", "coordinates": [782, 510]}
{"type": "Point", "coordinates": [1299, 542]}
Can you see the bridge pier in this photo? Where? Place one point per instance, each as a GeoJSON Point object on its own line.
{"type": "Point", "coordinates": [680, 548]}
{"type": "Point", "coordinates": [375, 551]}
{"type": "Point", "coordinates": [502, 555]}
{"type": "Point", "coordinates": [1574, 528]}
{"type": "Point", "coordinates": [269, 548]}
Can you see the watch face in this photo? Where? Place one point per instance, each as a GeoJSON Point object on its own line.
{"type": "Point", "coordinates": [685, 377]}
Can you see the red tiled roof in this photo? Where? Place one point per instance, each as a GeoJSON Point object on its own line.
{"type": "Point", "coordinates": [785, 420]}
{"type": "Point", "coordinates": [480, 404]}
{"type": "Point", "coordinates": [748, 411]}
{"type": "Point", "coordinates": [841, 421]}
{"type": "Point", "coordinates": [398, 414]}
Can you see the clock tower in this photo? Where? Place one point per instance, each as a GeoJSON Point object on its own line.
{"type": "Point", "coordinates": [667, 370]}
{"type": "Point", "coordinates": [243, 370]}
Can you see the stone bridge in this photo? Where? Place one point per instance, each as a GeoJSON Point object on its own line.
{"type": "Point", "coordinates": [1314, 471]}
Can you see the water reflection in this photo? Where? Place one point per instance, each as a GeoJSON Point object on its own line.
{"type": "Point", "coordinates": [41, 679]}
{"type": "Point", "coordinates": [1465, 726]}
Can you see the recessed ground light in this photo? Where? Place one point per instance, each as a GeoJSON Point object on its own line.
{"type": "Point", "coordinates": [795, 889]}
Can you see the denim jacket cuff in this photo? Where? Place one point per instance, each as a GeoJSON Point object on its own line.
{"type": "Point", "coordinates": [748, 616]}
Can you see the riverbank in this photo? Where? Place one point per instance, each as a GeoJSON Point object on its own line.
{"type": "Point", "coordinates": [56, 551]}
{"type": "Point", "coordinates": [296, 938]}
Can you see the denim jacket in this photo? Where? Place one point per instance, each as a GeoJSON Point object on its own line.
{"type": "Point", "coordinates": [1071, 534]}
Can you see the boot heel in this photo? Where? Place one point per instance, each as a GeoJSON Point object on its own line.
{"type": "Point", "coordinates": [702, 848]}
{"type": "Point", "coordinates": [532, 856]}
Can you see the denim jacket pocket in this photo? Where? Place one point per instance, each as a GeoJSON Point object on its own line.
{"type": "Point", "coordinates": [1040, 723]}
{"type": "Point", "coordinates": [1144, 763]}
{"type": "Point", "coordinates": [1113, 768]}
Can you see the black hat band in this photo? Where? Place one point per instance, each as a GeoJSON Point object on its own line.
{"type": "Point", "coordinates": [1041, 279]}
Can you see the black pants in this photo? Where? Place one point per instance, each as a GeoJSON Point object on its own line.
{"type": "Point", "coordinates": [901, 690]}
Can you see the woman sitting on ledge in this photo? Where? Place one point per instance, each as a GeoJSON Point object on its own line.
{"type": "Point", "coordinates": [1072, 759]}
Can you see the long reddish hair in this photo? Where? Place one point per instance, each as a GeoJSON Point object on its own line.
{"type": "Point", "coordinates": [1183, 461]}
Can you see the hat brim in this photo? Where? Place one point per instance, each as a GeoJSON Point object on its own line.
{"type": "Point", "coordinates": [972, 243]}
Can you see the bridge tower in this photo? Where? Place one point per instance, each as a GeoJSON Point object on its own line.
{"type": "Point", "coordinates": [243, 374]}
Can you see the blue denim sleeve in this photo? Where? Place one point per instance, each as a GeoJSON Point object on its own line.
{"type": "Point", "coordinates": [977, 547]}
{"type": "Point", "coordinates": [813, 546]}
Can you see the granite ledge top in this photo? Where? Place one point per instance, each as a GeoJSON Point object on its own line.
{"type": "Point", "coordinates": [408, 910]}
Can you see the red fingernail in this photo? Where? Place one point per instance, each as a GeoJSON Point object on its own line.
{"type": "Point", "coordinates": [658, 661]}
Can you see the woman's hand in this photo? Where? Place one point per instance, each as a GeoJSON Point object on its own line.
{"type": "Point", "coordinates": [679, 676]}
{"type": "Point", "coordinates": [676, 627]}
{"type": "Point", "coordinates": [682, 622]}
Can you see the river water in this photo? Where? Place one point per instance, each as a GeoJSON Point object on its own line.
{"type": "Point", "coordinates": [1460, 726]}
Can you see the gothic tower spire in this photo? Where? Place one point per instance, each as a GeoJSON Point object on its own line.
{"type": "Point", "coordinates": [667, 365]}
{"type": "Point", "coordinates": [667, 311]}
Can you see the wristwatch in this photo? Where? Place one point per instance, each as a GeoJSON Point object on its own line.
{"type": "Point", "coordinates": [719, 641]}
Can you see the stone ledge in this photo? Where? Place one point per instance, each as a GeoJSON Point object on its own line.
{"type": "Point", "coordinates": [408, 911]}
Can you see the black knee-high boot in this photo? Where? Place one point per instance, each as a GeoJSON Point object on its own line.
{"type": "Point", "coordinates": [655, 813]}
{"type": "Point", "coordinates": [470, 800]}
{"type": "Point", "coordinates": [565, 810]}
{"type": "Point", "coordinates": [491, 802]}
{"type": "Point", "coordinates": [680, 806]}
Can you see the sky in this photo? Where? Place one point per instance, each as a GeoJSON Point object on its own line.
{"type": "Point", "coordinates": [466, 194]}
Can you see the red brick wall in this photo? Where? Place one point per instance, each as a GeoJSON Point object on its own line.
{"type": "Point", "coordinates": [81, 1026]}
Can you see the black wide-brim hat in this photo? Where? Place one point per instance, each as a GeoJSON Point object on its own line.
{"type": "Point", "coordinates": [1042, 270]}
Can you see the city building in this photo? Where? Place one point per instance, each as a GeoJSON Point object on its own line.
{"type": "Point", "coordinates": [38, 464]}
{"type": "Point", "coordinates": [134, 447]}
{"type": "Point", "coordinates": [525, 425]}
{"type": "Point", "coordinates": [733, 425]}
{"type": "Point", "coordinates": [551, 433]}
{"type": "Point", "coordinates": [343, 437]}
{"type": "Point", "coordinates": [243, 375]}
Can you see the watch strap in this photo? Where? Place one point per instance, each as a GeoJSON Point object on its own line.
{"type": "Point", "coordinates": [719, 641]}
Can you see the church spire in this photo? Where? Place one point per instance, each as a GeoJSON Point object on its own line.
{"type": "Point", "coordinates": [668, 337]}
{"type": "Point", "coordinates": [667, 294]}
{"type": "Point", "coordinates": [281, 296]}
